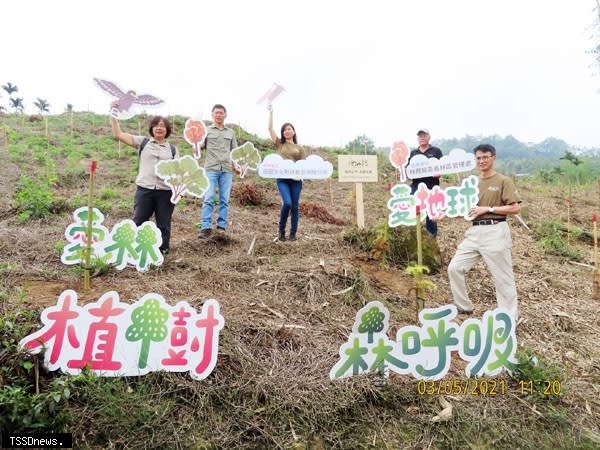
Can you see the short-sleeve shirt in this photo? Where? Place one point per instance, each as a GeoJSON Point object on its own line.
{"type": "Point", "coordinates": [153, 152]}
{"type": "Point", "coordinates": [292, 151]}
{"type": "Point", "coordinates": [218, 144]}
{"type": "Point", "coordinates": [431, 152]}
{"type": "Point", "coordinates": [497, 190]}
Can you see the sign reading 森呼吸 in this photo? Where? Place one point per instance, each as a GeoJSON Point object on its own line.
{"type": "Point", "coordinates": [488, 345]}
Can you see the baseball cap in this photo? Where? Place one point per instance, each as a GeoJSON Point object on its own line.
{"type": "Point", "coordinates": [423, 130]}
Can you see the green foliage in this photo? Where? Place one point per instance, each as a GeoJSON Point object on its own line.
{"type": "Point", "coordinates": [361, 145]}
{"type": "Point", "coordinates": [552, 238]}
{"type": "Point", "coordinates": [34, 199]}
{"type": "Point", "coordinates": [381, 243]}
{"type": "Point", "coordinates": [108, 193]}
{"type": "Point", "coordinates": [541, 372]}
{"type": "Point", "coordinates": [23, 411]}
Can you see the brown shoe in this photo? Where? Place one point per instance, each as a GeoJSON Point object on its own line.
{"type": "Point", "coordinates": [204, 233]}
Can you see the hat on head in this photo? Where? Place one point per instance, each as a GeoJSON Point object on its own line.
{"type": "Point", "coordinates": [423, 130]}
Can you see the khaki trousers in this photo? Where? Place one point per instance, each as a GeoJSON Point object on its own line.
{"type": "Point", "coordinates": [492, 243]}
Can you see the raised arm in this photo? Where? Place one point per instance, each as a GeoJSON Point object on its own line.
{"type": "Point", "coordinates": [271, 130]}
{"type": "Point", "coordinates": [125, 138]}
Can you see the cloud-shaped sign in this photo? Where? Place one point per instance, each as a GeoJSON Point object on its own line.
{"type": "Point", "coordinates": [312, 168]}
{"type": "Point", "coordinates": [457, 161]}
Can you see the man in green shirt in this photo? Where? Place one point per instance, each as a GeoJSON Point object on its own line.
{"type": "Point", "coordinates": [219, 142]}
{"type": "Point", "coordinates": [489, 236]}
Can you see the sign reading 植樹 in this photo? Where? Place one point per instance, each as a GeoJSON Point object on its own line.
{"type": "Point", "coordinates": [111, 338]}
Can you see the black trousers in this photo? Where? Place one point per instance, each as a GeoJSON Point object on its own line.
{"type": "Point", "coordinates": [157, 202]}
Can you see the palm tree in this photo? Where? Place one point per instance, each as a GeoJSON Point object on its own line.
{"type": "Point", "coordinates": [42, 105]}
{"type": "Point", "coordinates": [17, 104]}
{"type": "Point", "coordinates": [69, 109]}
{"type": "Point", "coordinates": [10, 88]}
{"type": "Point", "coordinates": [573, 159]}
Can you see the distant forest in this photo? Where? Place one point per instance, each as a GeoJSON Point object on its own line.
{"type": "Point", "coordinates": [552, 159]}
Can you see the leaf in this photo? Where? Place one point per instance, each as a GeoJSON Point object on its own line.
{"type": "Point", "coordinates": [27, 365]}
{"type": "Point", "coordinates": [444, 416]}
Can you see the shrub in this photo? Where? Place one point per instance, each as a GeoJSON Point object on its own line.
{"type": "Point", "coordinates": [34, 199]}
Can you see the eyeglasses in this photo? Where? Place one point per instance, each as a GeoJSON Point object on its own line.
{"type": "Point", "coordinates": [483, 158]}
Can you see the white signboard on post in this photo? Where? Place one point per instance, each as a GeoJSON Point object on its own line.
{"type": "Point", "coordinates": [358, 169]}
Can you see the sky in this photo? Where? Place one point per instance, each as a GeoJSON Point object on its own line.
{"type": "Point", "coordinates": [379, 68]}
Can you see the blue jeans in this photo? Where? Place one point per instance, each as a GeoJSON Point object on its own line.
{"type": "Point", "coordinates": [223, 180]}
{"type": "Point", "coordinates": [290, 194]}
{"type": "Point", "coordinates": [430, 225]}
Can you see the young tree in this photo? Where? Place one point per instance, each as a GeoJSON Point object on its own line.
{"type": "Point", "coordinates": [17, 104]}
{"type": "Point", "coordinates": [69, 110]}
{"type": "Point", "coordinates": [361, 144]}
{"type": "Point", "coordinates": [42, 105]}
{"type": "Point", "coordinates": [10, 88]}
{"type": "Point", "coordinates": [575, 160]}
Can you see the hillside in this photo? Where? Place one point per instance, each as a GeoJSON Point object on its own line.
{"type": "Point", "coordinates": [288, 306]}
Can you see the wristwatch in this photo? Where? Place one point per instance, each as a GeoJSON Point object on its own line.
{"type": "Point", "coordinates": [491, 209]}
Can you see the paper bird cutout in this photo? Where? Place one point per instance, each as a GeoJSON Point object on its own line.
{"type": "Point", "coordinates": [126, 99]}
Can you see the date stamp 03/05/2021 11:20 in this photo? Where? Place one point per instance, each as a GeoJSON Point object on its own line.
{"type": "Point", "coordinates": [486, 387]}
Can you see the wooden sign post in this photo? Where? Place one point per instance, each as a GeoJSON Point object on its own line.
{"type": "Point", "coordinates": [88, 245]}
{"type": "Point", "coordinates": [358, 169]}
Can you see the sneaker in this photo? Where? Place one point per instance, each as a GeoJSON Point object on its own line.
{"type": "Point", "coordinates": [221, 229]}
{"type": "Point", "coordinates": [282, 235]}
{"type": "Point", "coordinates": [292, 236]}
{"type": "Point", "coordinates": [204, 233]}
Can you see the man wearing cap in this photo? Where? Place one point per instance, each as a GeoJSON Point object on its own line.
{"type": "Point", "coordinates": [489, 236]}
{"type": "Point", "coordinates": [430, 152]}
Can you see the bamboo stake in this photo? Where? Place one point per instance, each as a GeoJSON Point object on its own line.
{"type": "Point", "coordinates": [88, 244]}
{"type": "Point", "coordinates": [598, 185]}
{"type": "Point", "coordinates": [596, 283]}
{"type": "Point", "coordinates": [330, 183]}
{"type": "Point", "coordinates": [569, 216]}
{"type": "Point", "coordinates": [419, 273]}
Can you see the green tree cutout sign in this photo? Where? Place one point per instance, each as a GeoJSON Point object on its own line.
{"type": "Point", "coordinates": [245, 157]}
{"type": "Point", "coordinates": [149, 324]}
{"type": "Point", "coordinates": [371, 322]}
{"type": "Point", "coordinates": [183, 176]}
